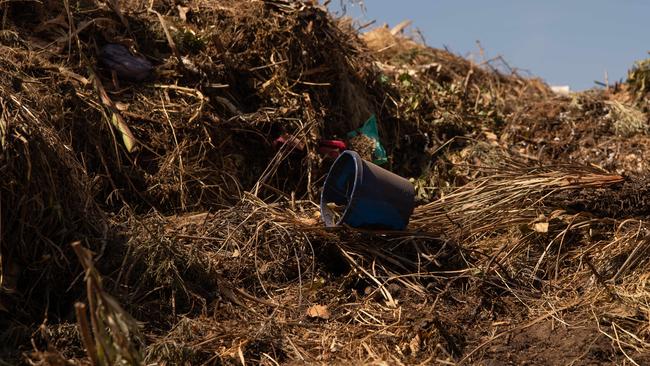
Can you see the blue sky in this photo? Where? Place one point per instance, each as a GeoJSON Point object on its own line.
{"type": "Point", "coordinates": [570, 42]}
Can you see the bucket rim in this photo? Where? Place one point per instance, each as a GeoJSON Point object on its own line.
{"type": "Point", "coordinates": [358, 176]}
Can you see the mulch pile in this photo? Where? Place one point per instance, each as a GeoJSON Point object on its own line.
{"type": "Point", "coordinates": [149, 215]}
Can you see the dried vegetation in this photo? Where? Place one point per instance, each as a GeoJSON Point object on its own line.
{"type": "Point", "coordinates": [155, 222]}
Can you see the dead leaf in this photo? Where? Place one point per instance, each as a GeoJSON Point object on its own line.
{"type": "Point", "coordinates": [72, 75]}
{"type": "Point", "coordinates": [115, 117]}
{"type": "Point", "coordinates": [541, 227]}
{"type": "Point", "coordinates": [319, 311]}
{"type": "Point", "coordinates": [414, 345]}
{"type": "Point", "coordinates": [490, 136]}
{"type": "Point", "coordinates": [307, 221]}
{"type": "Point", "coordinates": [182, 12]}
{"type": "Point", "coordinates": [122, 107]}
{"type": "Point", "coordinates": [127, 136]}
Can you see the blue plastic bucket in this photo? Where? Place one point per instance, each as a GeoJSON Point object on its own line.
{"type": "Point", "coordinates": [366, 195]}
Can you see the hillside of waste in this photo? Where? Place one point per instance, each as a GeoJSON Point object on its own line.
{"type": "Point", "coordinates": [166, 212]}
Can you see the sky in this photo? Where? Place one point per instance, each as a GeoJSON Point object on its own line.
{"type": "Point", "coordinates": [569, 42]}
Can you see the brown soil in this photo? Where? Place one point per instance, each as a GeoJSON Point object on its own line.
{"type": "Point", "coordinates": [553, 344]}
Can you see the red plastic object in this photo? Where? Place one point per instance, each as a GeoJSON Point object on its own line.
{"type": "Point", "coordinates": [331, 148]}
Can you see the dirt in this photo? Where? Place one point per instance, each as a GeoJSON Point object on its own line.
{"type": "Point", "coordinates": [553, 343]}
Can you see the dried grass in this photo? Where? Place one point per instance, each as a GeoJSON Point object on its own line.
{"type": "Point", "coordinates": [210, 238]}
{"type": "Point", "coordinates": [45, 203]}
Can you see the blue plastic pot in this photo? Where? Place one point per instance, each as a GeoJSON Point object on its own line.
{"type": "Point", "coordinates": [369, 196]}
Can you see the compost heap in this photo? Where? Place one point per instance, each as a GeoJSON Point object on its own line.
{"type": "Point", "coordinates": [152, 217]}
